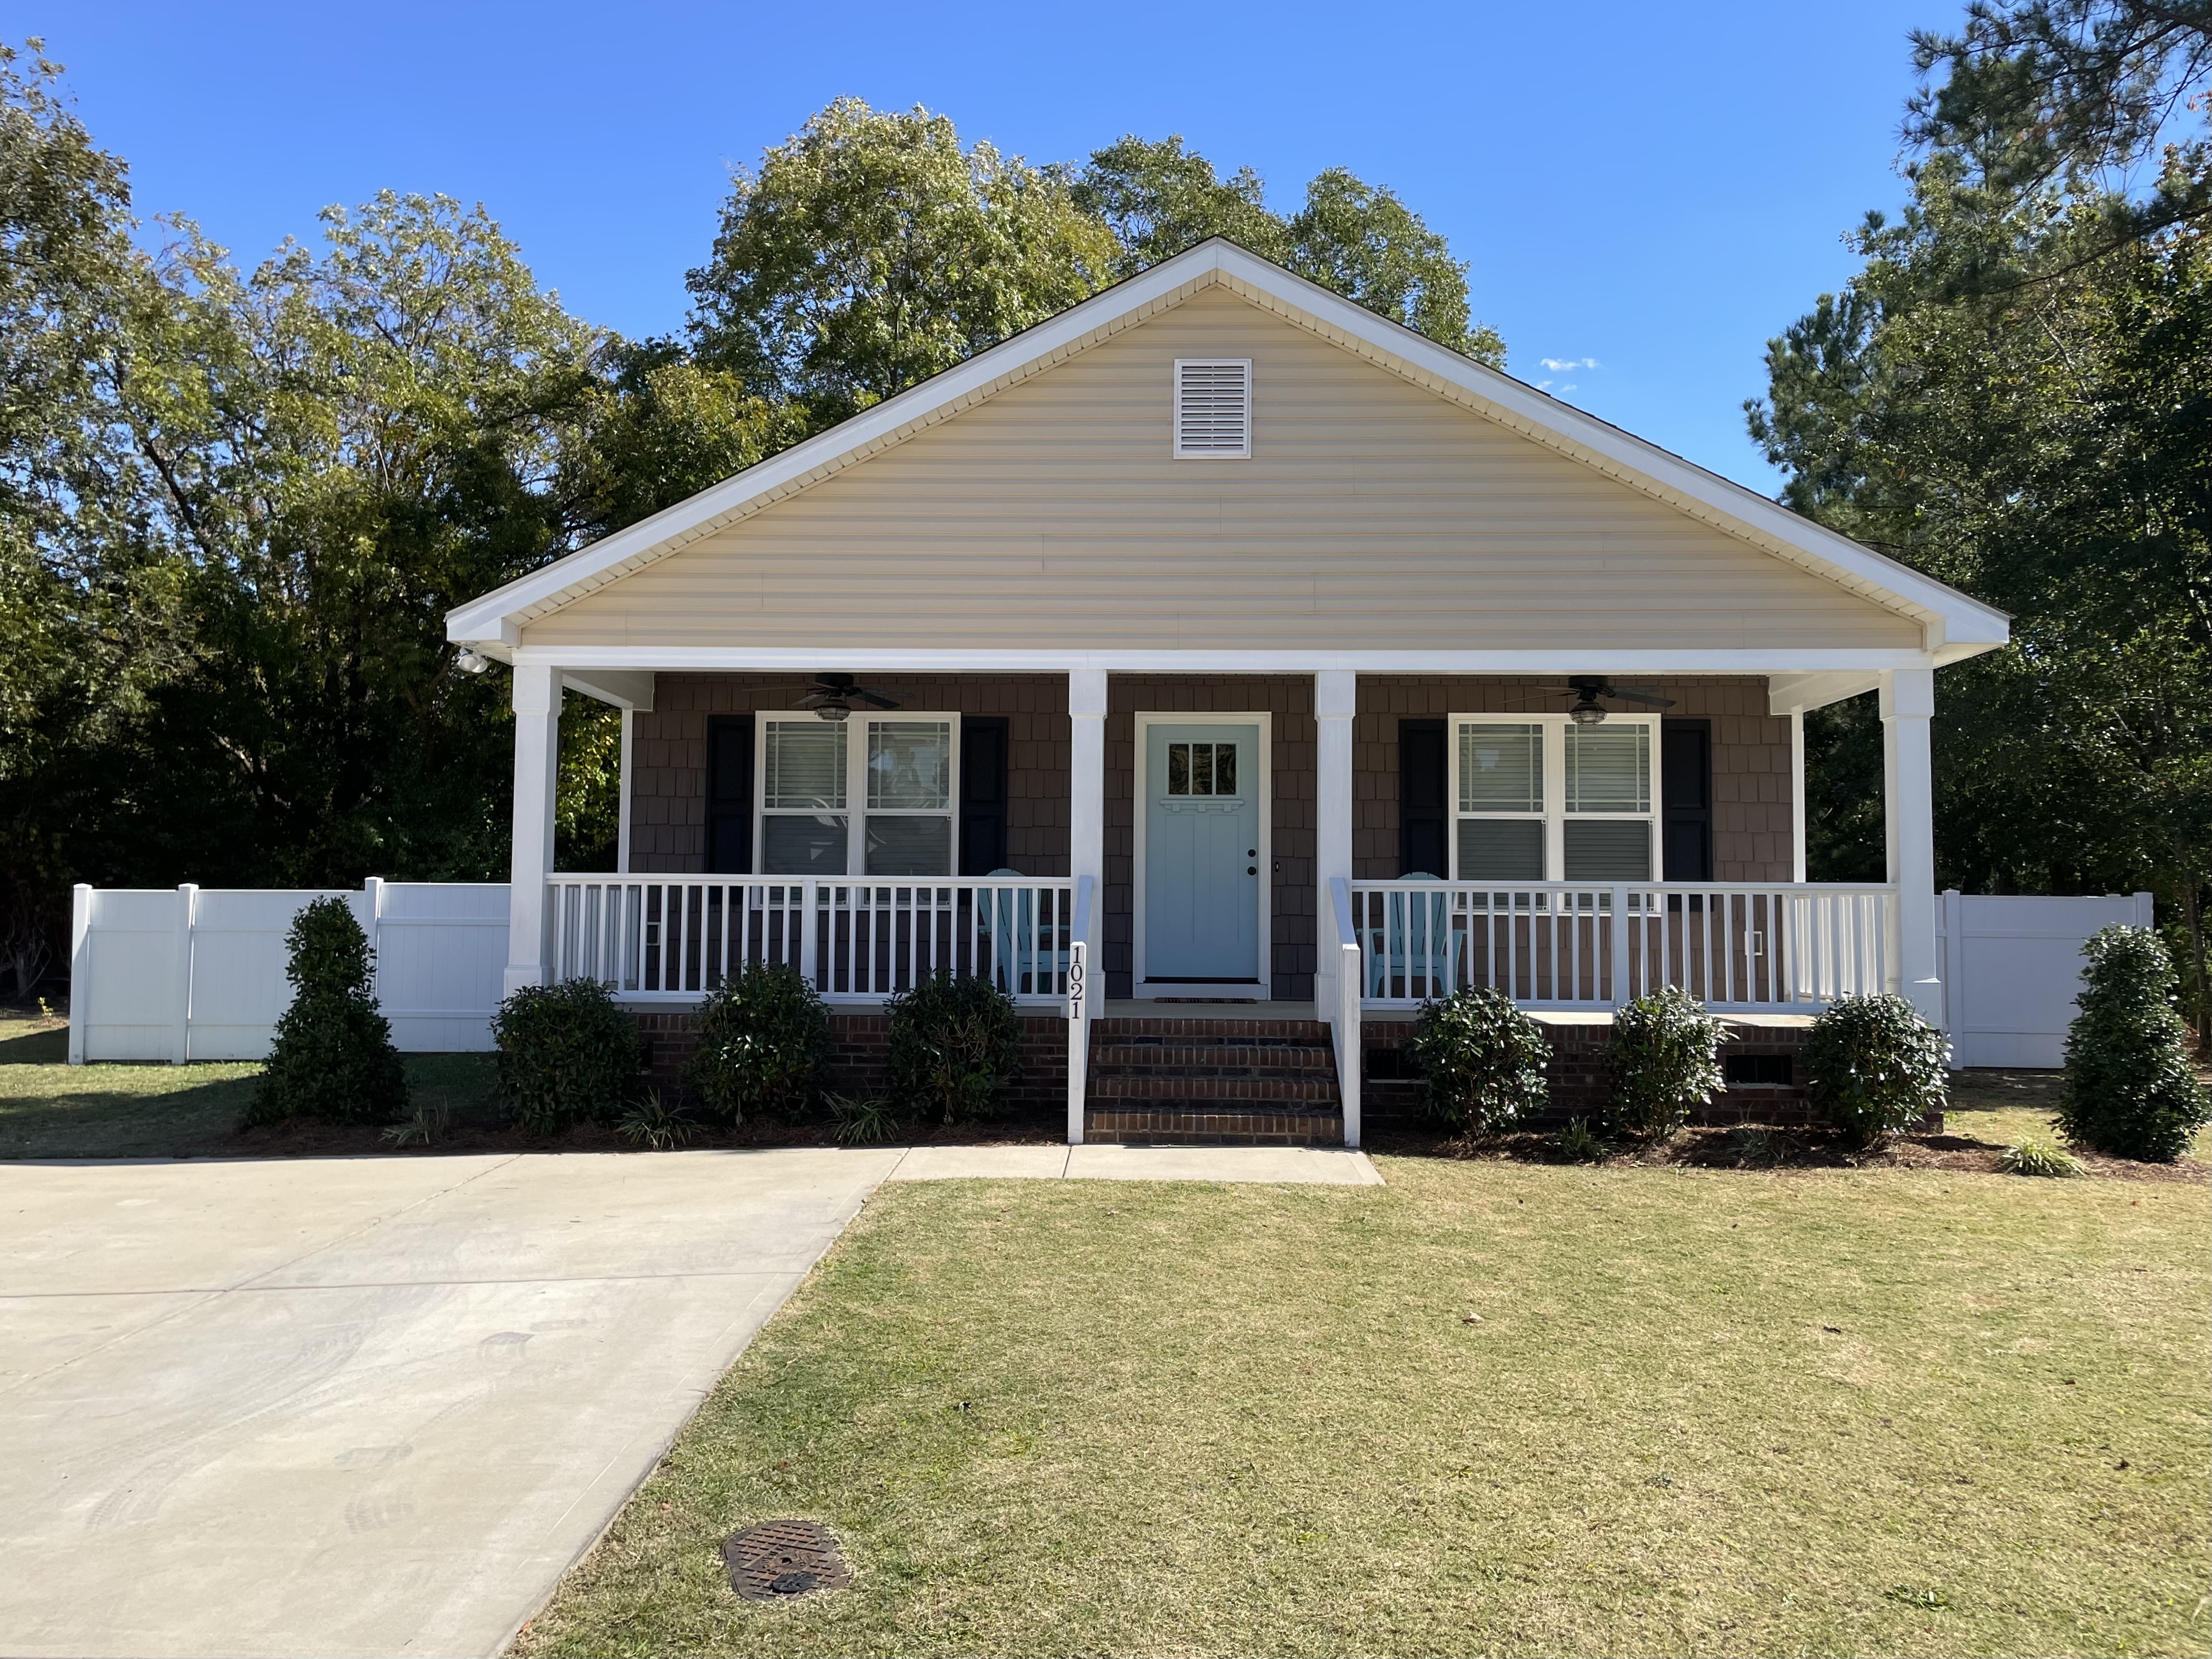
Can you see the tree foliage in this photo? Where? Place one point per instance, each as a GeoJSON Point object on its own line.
{"type": "Point", "coordinates": [236, 500]}
{"type": "Point", "coordinates": [2015, 394]}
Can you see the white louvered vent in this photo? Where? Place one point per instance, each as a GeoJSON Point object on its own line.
{"type": "Point", "coordinates": [1213, 409]}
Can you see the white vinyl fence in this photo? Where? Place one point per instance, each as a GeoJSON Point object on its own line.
{"type": "Point", "coordinates": [2012, 967]}
{"type": "Point", "coordinates": [198, 973]}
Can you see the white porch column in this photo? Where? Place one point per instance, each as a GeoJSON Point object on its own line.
{"type": "Point", "coordinates": [1908, 700]}
{"type": "Point", "coordinates": [1336, 695]}
{"type": "Point", "coordinates": [1336, 992]}
{"type": "Point", "coordinates": [536, 762]}
{"type": "Point", "coordinates": [1086, 856]}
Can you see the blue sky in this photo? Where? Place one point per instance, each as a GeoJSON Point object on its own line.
{"type": "Point", "coordinates": [1646, 193]}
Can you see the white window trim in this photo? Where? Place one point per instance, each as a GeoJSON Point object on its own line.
{"type": "Point", "coordinates": [1555, 814]}
{"type": "Point", "coordinates": [1175, 417]}
{"type": "Point", "coordinates": [856, 788]}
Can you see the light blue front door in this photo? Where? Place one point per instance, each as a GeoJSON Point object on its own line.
{"type": "Point", "coordinates": [1202, 877]}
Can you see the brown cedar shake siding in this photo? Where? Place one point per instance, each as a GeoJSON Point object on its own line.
{"type": "Point", "coordinates": [1751, 828]}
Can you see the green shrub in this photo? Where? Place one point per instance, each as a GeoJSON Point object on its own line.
{"type": "Point", "coordinates": [333, 1056]}
{"type": "Point", "coordinates": [763, 1045]}
{"type": "Point", "coordinates": [1579, 1142]}
{"type": "Point", "coordinates": [425, 1126]}
{"type": "Point", "coordinates": [1483, 1057]}
{"type": "Point", "coordinates": [2037, 1157]}
{"type": "Point", "coordinates": [568, 1054]}
{"type": "Point", "coordinates": [2128, 1090]}
{"type": "Point", "coordinates": [653, 1122]}
{"type": "Point", "coordinates": [1877, 1067]}
{"type": "Point", "coordinates": [1664, 1061]}
{"type": "Point", "coordinates": [868, 1121]}
{"type": "Point", "coordinates": [955, 1045]}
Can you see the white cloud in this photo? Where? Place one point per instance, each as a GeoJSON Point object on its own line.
{"type": "Point", "coordinates": [1556, 364]}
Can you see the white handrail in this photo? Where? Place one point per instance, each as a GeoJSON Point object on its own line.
{"type": "Point", "coordinates": [1569, 944]}
{"type": "Point", "coordinates": [675, 938]}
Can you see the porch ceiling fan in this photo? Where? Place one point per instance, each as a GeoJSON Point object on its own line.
{"type": "Point", "coordinates": [832, 696]}
{"type": "Point", "coordinates": [1590, 695]}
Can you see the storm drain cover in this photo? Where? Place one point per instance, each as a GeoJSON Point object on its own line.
{"type": "Point", "coordinates": [780, 1559]}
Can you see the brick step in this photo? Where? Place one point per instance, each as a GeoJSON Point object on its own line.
{"type": "Point", "coordinates": [1227, 1055]}
{"type": "Point", "coordinates": [1173, 1085]}
{"type": "Point", "coordinates": [1122, 1028]}
{"type": "Point", "coordinates": [1200, 1124]}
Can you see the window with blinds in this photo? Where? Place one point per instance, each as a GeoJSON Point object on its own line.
{"type": "Point", "coordinates": [899, 775]}
{"type": "Point", "coordinates": [1213, 409]}
{"type": "Point", "coordinates": [1541, 798]}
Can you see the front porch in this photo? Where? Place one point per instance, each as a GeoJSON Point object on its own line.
{"type": "Point", "coordinates": [1047, 782]}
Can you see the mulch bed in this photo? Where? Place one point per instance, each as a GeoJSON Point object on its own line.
{"type": "Point", "coordinates": [307, 1137]}
{"type": "Point", "coordinates": [1773, 1151]}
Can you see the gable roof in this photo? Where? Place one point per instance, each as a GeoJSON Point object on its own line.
{"type": "Point", "coordinates": [1953, 624]}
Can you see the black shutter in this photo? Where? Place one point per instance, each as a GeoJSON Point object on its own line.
{"type": "Point", "coordinates": [1424, 843]}
{"type": "Point", "coordinates": [982, 794]}
{"type": "Point", "coordinates": [1685, 800]}
{"type": "Point", "coordinates": [730, 795]}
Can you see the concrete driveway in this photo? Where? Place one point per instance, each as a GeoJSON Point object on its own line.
{"type": "Point", "coordinates": [362, 1406]}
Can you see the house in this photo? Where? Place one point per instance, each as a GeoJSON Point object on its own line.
{"type": "Point", "coordinates": [1223, 669]}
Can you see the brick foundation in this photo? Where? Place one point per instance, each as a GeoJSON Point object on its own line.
{"type": "Point", "coordinates": [859, 1047]}
{"type": "Point", "coordinates": [1578, 1076]}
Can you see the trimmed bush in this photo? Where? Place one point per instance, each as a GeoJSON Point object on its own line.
{"type": "Point", "coordinates": [2128, 1088]}
{"type": "Point", "coordinates": [1877, 1067]}
{"type": "Point", "coordinates": [568, 1054]}
{"type": "Point", "coordinates": [763, 1045]}
{"type": "Point", "coordinates": [1483, 1057]}
{"type": "Point", "coordinates": [955, 1044]}
{"type": "Point", "coordinates": [333, 1057]}
{"type": "Point", "coordinates": [1664, 1061]}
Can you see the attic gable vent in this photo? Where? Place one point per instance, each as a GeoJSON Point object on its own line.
{"type": "Point", "coordinates": [1213, 409]}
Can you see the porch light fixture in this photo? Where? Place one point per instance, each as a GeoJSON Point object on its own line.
{"type": "Point", "coordinates": [469, 662]}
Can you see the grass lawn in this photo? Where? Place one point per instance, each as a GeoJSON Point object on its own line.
{"type": "Point", "coordinates": [1492, 1408]}
{"type": "Point", "coordinates": [49, 1109]}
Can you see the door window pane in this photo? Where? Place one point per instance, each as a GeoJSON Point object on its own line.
{"type": "Point", "coordinates": [1609, 769]}
{"type": "Point", "coordinates": [1608, 849]}
{"type": "Point", "coordinates": [1501, 768]}
{"type": "Point", "coordinates": [1201, 768]}
{"type": "Point", "coordinates": [805, 765]}
{"type": "Point", "coordinates": [909, 764]}
{"type": "Point", "coordinates": [1501, 849]}
{"type": "Point", "coordinates": [810, 844]}
{"type": "Point", "coordinates": [915, 845]}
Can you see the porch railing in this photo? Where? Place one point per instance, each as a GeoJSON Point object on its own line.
{"type": "Point", "coordinates": [676, 937]}
{"type": "Point", "coordinates": [1745, 946]}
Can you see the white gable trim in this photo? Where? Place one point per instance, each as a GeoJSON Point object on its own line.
{"type": "Point", "coordinates": [1949, 619]}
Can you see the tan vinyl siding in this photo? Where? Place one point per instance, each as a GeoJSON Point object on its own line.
{"type": "Point", "coordinates": [1372, 516]}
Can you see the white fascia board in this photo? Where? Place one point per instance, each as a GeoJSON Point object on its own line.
{"type": "Point", "coordinates": [782, 659]}
{"type": "Point", "coordinates": [1644, 465]}
{"type": "Point", "coordinates": [885, 423]}
{"type": "Point", "coordinates": [1947, 617]}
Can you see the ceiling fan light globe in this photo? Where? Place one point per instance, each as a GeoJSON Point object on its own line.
{"type": "Point", "coordinates": [832, 711]}
{"type": "Point", "coordinates": [1586, 713]}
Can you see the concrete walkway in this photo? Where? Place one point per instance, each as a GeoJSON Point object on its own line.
{"type": "Point", "coordinates": [377, 1405]}
{"type": "Point", "coordinates": [1327, 1166]}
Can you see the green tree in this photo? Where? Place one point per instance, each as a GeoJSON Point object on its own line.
{"type": "Point", "coordinates": [870, 251]}
{"type": "Point", "coordinates": [1159, 198]}
{"type": "Point", "coordinates": [2011, 396]}
{"type": "Point", "coordinates": [1354, 238]}
{"type": "Point", "coordinates": [89, 568]}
